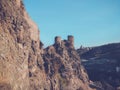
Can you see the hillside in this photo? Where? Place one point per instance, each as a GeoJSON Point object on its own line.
{"type": "Point", "coordinates": [103, 63]}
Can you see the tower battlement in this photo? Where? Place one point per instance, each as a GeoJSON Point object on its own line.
{"type": "Point", "coordinates": [71, 40]}
{"type": "Point", "coordinates": [57, 40]}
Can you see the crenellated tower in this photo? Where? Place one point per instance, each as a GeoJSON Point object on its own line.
{"type": "Point", "coordinates": [71, 40]}
{"type": "Point", "coordinates": [58, 40]}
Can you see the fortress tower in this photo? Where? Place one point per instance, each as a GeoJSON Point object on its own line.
{"type": "Point", "coordinates": [58, 40]}
{"type": "Point", "coordinates": [71, 40]}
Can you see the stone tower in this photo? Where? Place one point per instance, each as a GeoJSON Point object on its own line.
{"type": "Point", "coordinates": [71, 40]}
{"type": "Point", "coordinates": [58, 40]}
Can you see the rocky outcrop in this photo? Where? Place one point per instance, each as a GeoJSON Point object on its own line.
{"type": "Point", "coordinates": [63, 66]}
{"type": "Point", "coordinates": [24, 65]}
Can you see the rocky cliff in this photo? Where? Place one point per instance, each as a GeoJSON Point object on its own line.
{"type": "Point", "coordinates": [63, 66]}
{"type": "Point", "coordinates": [25, 66]}
{"type": "Point", "coordinates": [20, 59]}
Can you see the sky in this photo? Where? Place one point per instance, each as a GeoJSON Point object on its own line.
{"type": "Point", "coordinates": [91, 22]}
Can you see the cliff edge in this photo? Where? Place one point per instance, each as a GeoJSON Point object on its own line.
{"type": "Point", "coordinates": [25, 66]}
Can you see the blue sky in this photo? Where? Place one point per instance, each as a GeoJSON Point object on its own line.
{"type": "Point", "coordinates": [91, 22]}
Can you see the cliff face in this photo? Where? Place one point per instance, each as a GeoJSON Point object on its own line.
{"type": "Point", "coordinates": [24, 66]}
{"type": "Point", "coordinates": [19, 48]}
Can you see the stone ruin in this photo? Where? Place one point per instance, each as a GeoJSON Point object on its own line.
{"type": "Point", "coordinates": [58, 40]}
{"type": "Point", "coordinates": [69, 41]}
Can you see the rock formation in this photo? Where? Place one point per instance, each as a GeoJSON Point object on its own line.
{"type": "Point", "coordinates": [24, 65]}
{"type": "Point", "coordinates": [20, 60]}
{"type": "Point", "coordinates": [63, 66]}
